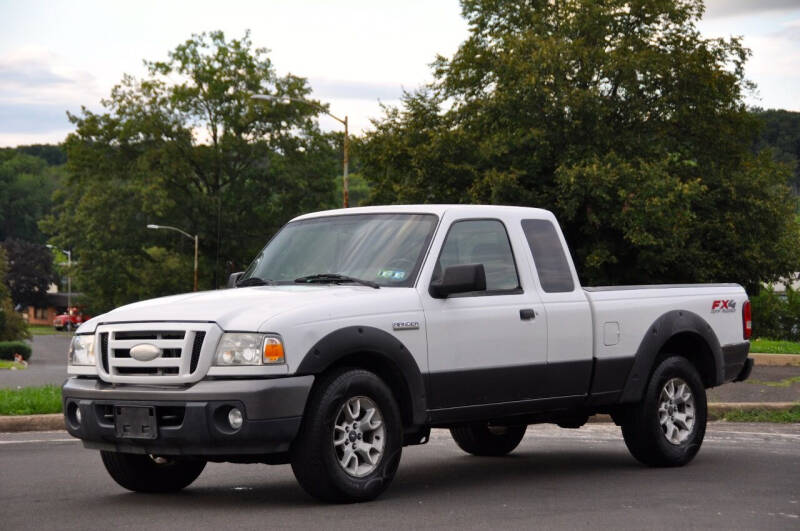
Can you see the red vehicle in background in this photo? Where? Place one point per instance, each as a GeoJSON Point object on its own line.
{"type": "Point", "coordinates": [71, 320]}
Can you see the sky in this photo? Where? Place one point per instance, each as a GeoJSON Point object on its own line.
{"type": "Point", "coordinates": [56, 56]}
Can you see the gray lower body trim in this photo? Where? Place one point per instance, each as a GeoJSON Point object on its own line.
{"type": "Point", "coordinates": [264, 398]}
{"type": "Point", "coordinates": [735, 357]}
{"type": "Point", "coordinates": [189, 420]}
{"type": "Point", "coordinates": [506, 410]}
{"type": "Point", "coordinates": [610, 374]}
{"type": "Point", "coordinates": [514, 384]}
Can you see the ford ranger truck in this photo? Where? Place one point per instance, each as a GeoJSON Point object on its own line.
{"type": "Point", "coordinates": [354, 332]}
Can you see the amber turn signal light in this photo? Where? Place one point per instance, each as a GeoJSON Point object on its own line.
{"type": "Point", "coordinates": [273, 351]}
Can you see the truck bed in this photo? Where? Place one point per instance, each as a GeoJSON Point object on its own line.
{"type": "Point", "coordinates": [622, 315]}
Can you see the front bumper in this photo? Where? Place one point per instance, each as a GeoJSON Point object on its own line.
{"type": "Point", "coordinates": [191, 420]}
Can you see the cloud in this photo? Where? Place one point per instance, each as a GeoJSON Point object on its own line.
{"type": "Point", "coordinates": [356, 90]}
{"type": "Point", "coordinates": [29, 75]}
{"type": "Point", "coordinates": [789, 32]}
{"type": "Point", "coordinates": [731, 8]}
{"type": "Point", "coordinates": [37, 87]}
{"type": "Point", "coordinates": [32, 118]}
{"type": "Point", "coordinates": [38, 76]}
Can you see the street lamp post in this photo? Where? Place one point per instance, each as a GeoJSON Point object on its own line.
{"type": "Point", "coordinates": [152, 226]}
{"type": "Point", "coordinates": [343, 121]}
{"type": "Point", "coordinates": [69, 275]}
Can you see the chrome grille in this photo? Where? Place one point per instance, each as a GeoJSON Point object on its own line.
{"type": "Point", "coordinates": [180, 351]}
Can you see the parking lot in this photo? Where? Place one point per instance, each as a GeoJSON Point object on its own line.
{"type": "Point", "coordinates": [745, 477]}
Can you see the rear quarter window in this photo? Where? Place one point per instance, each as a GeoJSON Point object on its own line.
{"type": "Point", "coordinates": [548, 255]}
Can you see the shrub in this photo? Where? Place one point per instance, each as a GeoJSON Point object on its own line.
{"type": "Point", "coordinates": [9, 348]}
{"type": "Point", "coordinates": [776, 316]}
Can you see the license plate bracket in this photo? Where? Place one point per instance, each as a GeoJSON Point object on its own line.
{"type": "Point", "coordinates": [135, 422]}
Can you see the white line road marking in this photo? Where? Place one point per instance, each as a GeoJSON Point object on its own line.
{"type": "Point", "coordinates": [24, 441]}
{"type": "Point", "coordinates": [761, 433]}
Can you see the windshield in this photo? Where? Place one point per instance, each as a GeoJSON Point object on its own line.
{"type": "Point", "coordinates": [383, 248]}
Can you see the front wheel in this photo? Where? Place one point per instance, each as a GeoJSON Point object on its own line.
{"type": "Point", "coordinates": [668, 426]}
{"type": "Point", "coordinates": [149, 473]}
{"type": "Point", "coordinates": [481, 439]}
{"type": "Point", "coordinates": [350, 442]}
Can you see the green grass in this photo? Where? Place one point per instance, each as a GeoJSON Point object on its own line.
{"type": "Point", "coordinates": [44, 330]}
{"type": "Point", "coordinates": [772, 346]}
{"type": "Point", "coordinates": [30, 400]}
{"type": "Point", "coordinates": [11, 364]}
{"type": "Point", "coordinates": [764, 415]}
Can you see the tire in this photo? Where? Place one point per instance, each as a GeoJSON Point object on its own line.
{"type": "Point", "coordinates": [667, 427]}
{"type": "Point", "coordinates": [333, 459]}
{"type": "Point", "coordinates": [145, 473]}
{"type": "Point", "coordinates": [483, 440]}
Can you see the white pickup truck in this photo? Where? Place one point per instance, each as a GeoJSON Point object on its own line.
{"type": "Point", "coordinates": [354, 332]}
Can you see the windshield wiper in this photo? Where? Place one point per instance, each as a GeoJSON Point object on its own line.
{"type": "Point", "coordinates": [255, 281]}
{"type": "Point", "coordinates": [334, 278]}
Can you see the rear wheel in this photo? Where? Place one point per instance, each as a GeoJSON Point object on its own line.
{"type": "Point", "coordinates": [350, 442]}
{"type": "Point", "coordinates": [483, 439]}
{"type": "Point", "coordinates": [148, 473]}
{"type": "Point", "coordinates": [667, 428]}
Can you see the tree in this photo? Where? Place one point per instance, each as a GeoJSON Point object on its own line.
{"type": "Point", "coordinates": [12, 325]}
{"type": "Point", "coordinates": [53, 155]}
{"type": "Point", "coordinates": [781, 133]}
{"type": "Point", "coordinates": [30, 272]}
{"type": "Point", "coordinates": [617, 115]}
{"type": "Point", "coordinates": [26, 186]}
{"type": "Point", "coordinates": [186, 146]}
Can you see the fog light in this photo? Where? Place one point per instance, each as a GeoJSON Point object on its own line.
{"type": "Point", "coordinates": [78, 414]}
{"type": "Point", "coordinates": [235, 418]}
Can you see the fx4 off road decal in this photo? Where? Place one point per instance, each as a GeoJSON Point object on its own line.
{"type": "Point", "coordinates": [724, 306]}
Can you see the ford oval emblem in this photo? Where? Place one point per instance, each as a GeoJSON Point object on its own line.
{"type": "Point", "coordinates": [145, 352]}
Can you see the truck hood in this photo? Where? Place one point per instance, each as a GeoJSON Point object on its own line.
{"type": "Point", "coordinates": [247, 309]}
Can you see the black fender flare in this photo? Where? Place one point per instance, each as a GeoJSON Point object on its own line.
{"type": "Point", "coordinates": [376, 342]}
{"type": "Point", "coordinates": [665, 327]}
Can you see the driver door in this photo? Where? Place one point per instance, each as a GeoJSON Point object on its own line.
{"type": "Point", "coordinates": [484, 347]}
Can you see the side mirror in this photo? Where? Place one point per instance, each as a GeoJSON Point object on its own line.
{"type": "Point", "coordinates": [459, 279]}
{"type": "Point", "coordinates": [234, 278]}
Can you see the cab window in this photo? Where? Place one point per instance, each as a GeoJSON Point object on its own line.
{"type": "Point", "coordinates": [548, 255]}
{"type": "Point", "coordinates": [481, 241]}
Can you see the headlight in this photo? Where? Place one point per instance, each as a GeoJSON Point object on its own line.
{"type": "Point", "coordinates": [248, 349]}
{"type": "Point", "coordinates": [81, 350]}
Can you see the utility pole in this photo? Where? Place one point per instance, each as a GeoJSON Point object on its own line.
{"type": "Point", "coordinates": [196, 244]}
{"type": "Point", "coordinates": [343, 121]}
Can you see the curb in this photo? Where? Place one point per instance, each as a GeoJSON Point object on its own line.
{"type": "Point", "coordinates": [55, 421]}
{"type": "Point", "coordinates": [776, 360]}
{"type": "Point", "coordinates": [32, 422]}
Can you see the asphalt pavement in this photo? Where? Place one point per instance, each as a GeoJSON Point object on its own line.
{"type": "Point", "coordinates": [746, 476]}
{"type": "Point", "coordinates": [766, 384]}
{"type": "Point", "coordinates": [48, 363]}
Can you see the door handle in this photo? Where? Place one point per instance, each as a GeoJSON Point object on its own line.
{"type": "Point", "coordinates": [527, 314]}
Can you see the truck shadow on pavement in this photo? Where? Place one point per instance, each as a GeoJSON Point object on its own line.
{"type": "Point", "coordinates": [578, 470]}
